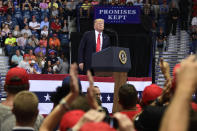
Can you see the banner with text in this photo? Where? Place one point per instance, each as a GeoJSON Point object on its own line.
{"type": "Point", "coordinates": [118, 14]}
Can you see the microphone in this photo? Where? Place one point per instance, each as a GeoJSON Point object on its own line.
{"type": "Point", "coordinates": [113, 32]}
{"type": "Point", "coordinates": [109, 30]}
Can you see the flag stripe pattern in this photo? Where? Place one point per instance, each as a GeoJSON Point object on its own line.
{"type": "Point", "coordinates": [44, 85]}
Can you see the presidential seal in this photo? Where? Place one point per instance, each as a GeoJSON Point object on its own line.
{"type": "Point", "coordinates": [123, 57]}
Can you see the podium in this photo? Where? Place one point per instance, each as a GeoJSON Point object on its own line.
{"type": "Point", "coordinates": [114, 60]}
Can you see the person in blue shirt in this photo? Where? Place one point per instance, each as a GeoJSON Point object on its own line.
{"type": "Point", "coordinates": [17, 58]}
{"type": "Point", "coordinates": [44, 22]}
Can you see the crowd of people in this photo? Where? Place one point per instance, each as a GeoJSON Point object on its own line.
{"type": "Point", "coordinates": [33, 31]}
{"type": "Point", "coordinates": [169, 17]}
{"type": "Point", "coordinates": [158, 109]}
{"type": "Point", "coordinates": [33, 49]}
{"type": "Point", "coordinates": [25, 26]}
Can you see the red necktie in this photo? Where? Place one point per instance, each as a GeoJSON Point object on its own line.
{"type": "Point", "coordinates": [98, 44]}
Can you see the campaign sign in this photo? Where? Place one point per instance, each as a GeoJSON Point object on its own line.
{"type": "Point", "coordinates": [118, 14]}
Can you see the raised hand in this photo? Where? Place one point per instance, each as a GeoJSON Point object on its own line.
{"type": "Point", "coordinates": [185, 86]}
{"type": "Point", "coordinates": [90, 116]}
{"type": "Point", "coordinates": [81, 66]}
{"type": "Point", "coordinates": [55, 116]}
{"type": "Point", "coordinates": [90, 92]}
{"type": "Point", "coordinates": [187, 74]}
{"type": "Point", "coordinates": [164, 66]}
{"type": "Point", "coordinates": [74, 86]}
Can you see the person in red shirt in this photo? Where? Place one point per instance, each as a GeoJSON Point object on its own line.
{"type": "Point", "coordinates": [56, 26]}
{"type": "Point", "coordinates": [43, 40]}
{"type": "Point", "coordinates": [3, 9]}
{"type": "Point", "coordinates": [31, 56]}
{"type": "Point", "coordinates": [128, 100]}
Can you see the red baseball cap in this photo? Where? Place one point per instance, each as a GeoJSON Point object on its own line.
{"type": "Point", "coordinates": [25, 55]}
{"type": "Point", "coordinates": [70, 119]}
{"type": "Point", "coordinates": [52, 53]}
{"type": "Point", "coordinates": [17, 72]}
{"type": "Point", "coordinates": [150, 93]}
{"type": "Point", "coordinates": [96, 126]}
{"type": "Point", "coordinates": [55, 35]}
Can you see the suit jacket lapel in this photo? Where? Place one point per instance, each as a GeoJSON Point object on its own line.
{"type": "Point", "coordinates": [104, 41]}
{"type": "Point", "coordinates": [94, 40]}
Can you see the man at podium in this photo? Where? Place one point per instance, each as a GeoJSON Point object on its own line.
{"type": "Point", "coordinates": [92, 41]}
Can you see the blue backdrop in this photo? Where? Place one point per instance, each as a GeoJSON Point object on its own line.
{"type": "Point", "coordinates": [118, 14]}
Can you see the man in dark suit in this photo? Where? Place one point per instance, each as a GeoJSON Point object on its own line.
{"type": "Point", "coordinates": [92, 41]}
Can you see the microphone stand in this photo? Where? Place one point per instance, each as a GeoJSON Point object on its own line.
{"type": "Point", "coordinates": [115, 34]}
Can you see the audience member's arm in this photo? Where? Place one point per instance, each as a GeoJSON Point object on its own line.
{"type": "Point", "coordinates": [90, 92]}
{"type": "Point", "coordinates": [13, 61]}
{"type": "Point", "coordinates": [165, 69]}
{"type": "Point", "coordinates": [30, 26]}
{"type": "Point", "coordinates": [124, 123]}
{"type": "Point", "coordinates": [30, 7]}
{"type": "Point", "coordinates": [50, 42]}
{"type": "Point", "coordinates": [37, 26]}
{"type": "Point", "coordinates": [177, 115]}
{"type": "Point", "coordinates": [90, 116]}
{"type": "Point", "coordinates": [55, 116]}
{"type": "Point", "coordinates": [23, 7]}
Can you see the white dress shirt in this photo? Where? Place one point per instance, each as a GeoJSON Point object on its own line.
{"type": "Point", "coordinates": [101, 38]}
